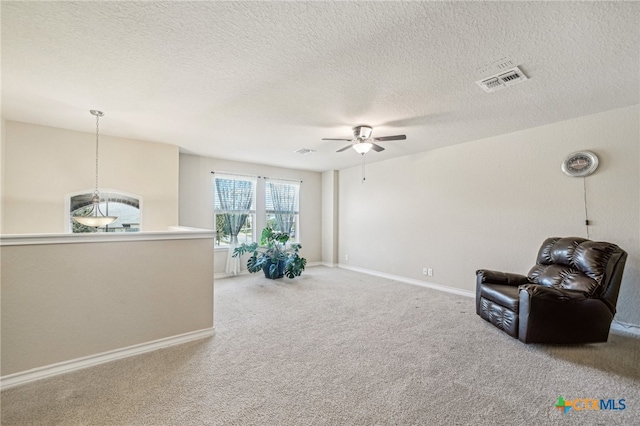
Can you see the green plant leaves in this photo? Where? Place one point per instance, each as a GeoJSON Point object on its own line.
{"type": "Point", "coordinates": [271, 251]}
{"type": "Point", "coordinates": [255, 264]}
{"type": "Point", "coordinates": [273, 270]}
{"type": "Point", "coordinates": [245, 248]}
{"type": "Point", "coordinates": [294, 265]}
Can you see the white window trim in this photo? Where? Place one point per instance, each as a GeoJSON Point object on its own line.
{"type": "Point", "coordinates": [260, 194]}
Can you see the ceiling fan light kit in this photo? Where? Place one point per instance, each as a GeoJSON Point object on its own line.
{"type": "Point", "coordinates": [362, 147]}
{"type": "Point", "coordinates": [362, 142]}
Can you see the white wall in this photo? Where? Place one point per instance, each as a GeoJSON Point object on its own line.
{"type": "Point", "coordinates": [196, 199]}
{"type": "Point", "coordinates": [491, 203]}
{"type": "Point", "coordinates": [41, 165]}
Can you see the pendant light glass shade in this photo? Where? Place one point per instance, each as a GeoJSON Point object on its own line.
{"type": "Point", "coordinates": [95, 218]}
{"type": "Point", "coordinates": [95, 221]}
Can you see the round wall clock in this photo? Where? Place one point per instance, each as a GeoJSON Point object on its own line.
{"type": "Point", "coordinates": [580, 163]}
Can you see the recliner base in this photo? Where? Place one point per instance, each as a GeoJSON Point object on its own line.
{"type": "Point", "coordinates": [503, 318]}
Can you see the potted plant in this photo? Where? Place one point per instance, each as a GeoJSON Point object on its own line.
{"type": "Point", "coordinates": [273, 255]}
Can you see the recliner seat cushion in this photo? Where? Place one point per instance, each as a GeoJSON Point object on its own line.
{"type": "Point", "coordinates": [503, 295]}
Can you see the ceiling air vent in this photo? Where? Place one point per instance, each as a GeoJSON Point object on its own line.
{"type": "Point", "coordinates": [304, 151]}
{"type": "Point", "coordinates": [502, 80]}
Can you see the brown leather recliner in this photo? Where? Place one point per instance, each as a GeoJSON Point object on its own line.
{"type": "Point", "coordinates": [569, 296]}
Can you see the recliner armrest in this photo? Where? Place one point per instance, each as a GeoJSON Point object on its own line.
{"type": "Point", "coordinates": [485, 276]}
{"type": "Point", "coordinates": [540, 292]}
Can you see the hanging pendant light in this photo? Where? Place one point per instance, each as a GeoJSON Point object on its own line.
{"type": "Point", "coordinates": [95, 218]}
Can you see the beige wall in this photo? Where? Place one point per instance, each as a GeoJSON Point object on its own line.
{"type": "Point", "coordinates": [42, 165]}
{"type": "Point", "coordinates": [196, 199]}
{"type": "Point", "coordinates": [66, 301]}
{"type": "Point", "coordinates": [330, 187]}
{"type": "Point", "coordinates": [491, 203]}
{"type": "Point", "coordinates": [3, 128]}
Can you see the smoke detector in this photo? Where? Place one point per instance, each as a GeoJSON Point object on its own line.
{"type": "Point", "coordinates": [502, 80]}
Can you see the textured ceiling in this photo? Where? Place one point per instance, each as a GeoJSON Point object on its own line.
{"type": "Point", "coordinates": [255, 81]}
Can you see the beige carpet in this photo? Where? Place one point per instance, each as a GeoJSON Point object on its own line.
{"type": "Point", "coordinates": [335, 347]}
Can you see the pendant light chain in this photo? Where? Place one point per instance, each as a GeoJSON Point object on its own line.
{"type": "Point", "coordinates": [98, 114]}
{"type": "Point", "coordinates": [95, 218]}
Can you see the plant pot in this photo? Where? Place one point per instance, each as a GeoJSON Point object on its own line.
{"type": "Point", "coordinates": [267, 267]}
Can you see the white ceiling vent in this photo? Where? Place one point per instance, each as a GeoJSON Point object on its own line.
{"type": "Point", "coordinates": [304, 151]}
{"type": "Point", "coordinates": [502, 80]}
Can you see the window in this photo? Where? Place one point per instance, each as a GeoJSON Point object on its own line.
{"type": "Point", "coordinates": [281, 206]}
{"type": "Point", "coordinates": [125, 207]}
{"type": "Point", "coordinates": [234, 209]}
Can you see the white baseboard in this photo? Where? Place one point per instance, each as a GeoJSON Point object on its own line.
{"type": "Point", "coordinates": [223, 275]}
{"type": "Point", "coordinates": [15, 379]}
{"type": "Point", "coordinates": [616, 326]}
{"type": "Point", "coordinates": [625, 328]}
{"type": "Point", "coordinates": [458, 291]}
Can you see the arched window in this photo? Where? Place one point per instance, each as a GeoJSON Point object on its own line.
{"type": "Point", "coordinates": [112, 203]}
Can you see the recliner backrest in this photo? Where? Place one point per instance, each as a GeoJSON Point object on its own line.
{"type": "Point", "coordinates": [574, 263]}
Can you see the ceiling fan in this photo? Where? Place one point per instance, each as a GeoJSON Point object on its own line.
{"type": "Point", "coordinates": [362, 141]}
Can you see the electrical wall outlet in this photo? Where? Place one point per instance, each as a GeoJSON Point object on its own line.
{"type": "Point", "coordinates": [424, 271]}
{"type": "Point", "coordinates": [430, 272]}
{"type": "Point", "coordinates": [346, 257]}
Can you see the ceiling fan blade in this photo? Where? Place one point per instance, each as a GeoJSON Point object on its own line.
{"type": "Point", "coordinates": [391, 138]}
{"type": "Point", "coordinates": [345, 148]}
{"type": "Point", "coordinates": [376, 148]}
{"type": "Point", "coordinates": [331, 139]}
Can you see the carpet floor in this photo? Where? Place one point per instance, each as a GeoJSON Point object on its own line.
{"type": "Point", "coordinates": [336, 347]}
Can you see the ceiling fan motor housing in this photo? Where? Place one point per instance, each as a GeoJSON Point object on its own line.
{"type": "Point", "coordinates": [362, 132]}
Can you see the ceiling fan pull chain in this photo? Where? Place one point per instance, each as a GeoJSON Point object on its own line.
{"type": "Point", "coordinates": [363, 178]}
